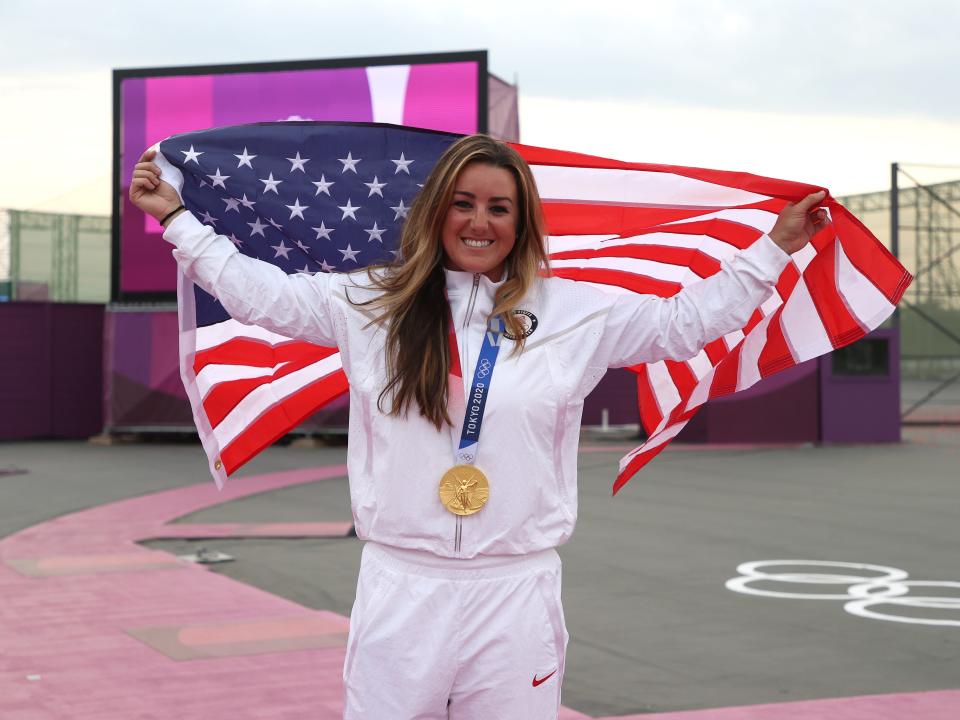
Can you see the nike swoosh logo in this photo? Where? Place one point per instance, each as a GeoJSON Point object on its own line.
{"type": "Point", "coordinates": [543, 679]}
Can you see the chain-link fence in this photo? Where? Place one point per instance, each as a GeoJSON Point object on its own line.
{"type": "Point", "coordinates": [54, 257]}
{"type": "Point", "coordinates": [919, 220]}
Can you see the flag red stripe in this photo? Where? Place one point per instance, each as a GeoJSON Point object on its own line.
{"type": "Point", "coordinates": [625, 222]}
{"type": "Point", "coordinates": [733, 233]}
{"type": "Point", "coordinates": [454, 368]}
{"type": "Point", "coordinates": [820, 279]}
{"type": "Point", "coordinates": [726, 374]}
{"type": "Point", "coordinates": [280, 419]}
{"type": "Point", "coordinates": [631, 281]}
{"type": "Point", "coordinates": [568, 218]}
{"type": "Point", "coordinates": [223, 397]}
{"type": "Point", "coordinates": [650, 414]}
{"type": "Point", "coordinates": [716, 351]}
{"type": "Point", "coordinates": [635, 465]}
{"type": "Point", "coordinates": [872, 259]}
{"type": "Point", "coordinates": [772, 205]}
{"type": "Point", "coordinates": [788, 280]}
{"type": "Point", "coordinates": [699, 262]}
{"type": "Point", "coordinates": [775, 355]}
{"type": "Point", "coordinates": [683, 378]}
{"type": "Point", "coordinates": [258, 353]}
{"type": "Point", "coordinates": [753, 321]}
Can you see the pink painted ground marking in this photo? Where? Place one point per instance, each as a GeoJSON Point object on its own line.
{"type": "Point", "coordinates": [248, 530]}
{"type": "Point", "coordinates": [260, 630]}
{"type": "Point", "coordinates": [85, 564]}
{"type": "Point", "coordinates": [68, 651]}
{"type": "Point", "coordinates": [66, 647]}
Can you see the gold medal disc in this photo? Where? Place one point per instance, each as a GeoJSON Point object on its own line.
{"type": "Point", "coordinates": [464, 489]}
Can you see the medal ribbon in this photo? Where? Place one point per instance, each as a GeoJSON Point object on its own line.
{"type": "Point", "coordinates": [466, 451]}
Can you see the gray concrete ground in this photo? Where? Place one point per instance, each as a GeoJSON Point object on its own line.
{"type": "Point", "coordinates": [652, 625]}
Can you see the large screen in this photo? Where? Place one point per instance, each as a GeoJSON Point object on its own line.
{"type": "Point", "coordinates": [439, 92]}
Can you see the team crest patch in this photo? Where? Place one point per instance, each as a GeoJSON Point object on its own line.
{"type": "Point", "coordinates": [529, 322]}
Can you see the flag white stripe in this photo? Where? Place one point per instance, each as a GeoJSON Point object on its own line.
{"type": "Point", "coordinates": [762, 220]}
{"type": "Point", "coordinates": [802, 257]}
{"type": "Point", "coordinates": [266, 396]}
{"type": "Point", "coordinates": [655, 441]}
{"type": "Point", "coordinates": [700, 364]}
{"type": "Point", "coordinates": [664, 391]}
{"type": "Point", "coordinates": [867, 304]}
{"type": "Point", "coordinates": [639, 187]}
{"type": "Point", "coordinates": [213, 335]}
{"type": "Point", "coordinates": [770, 305]}
{"type": "Point", "coordinates": [748, 372]}
{"type": "Point", "coordinates": [650, 268]}
{"type": "Point", "coordinates": [561, 243]}
{"type": "Point", "coordinates": [701, 392]}
{"type": "Point", "coordinates": [717, 249]}
{"type": "Point", "coordinates": [802, 329]}
{"type": "Point", "coordinates": [212, 375]}
{"type": "Point", "coordinates": [732, 338]}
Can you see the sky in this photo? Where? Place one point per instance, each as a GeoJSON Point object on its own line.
{"type": "Point", "coordinates": [823, 92]}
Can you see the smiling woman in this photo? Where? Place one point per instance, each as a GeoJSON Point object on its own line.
{"type": "Point", "coordinates": [458, 613]}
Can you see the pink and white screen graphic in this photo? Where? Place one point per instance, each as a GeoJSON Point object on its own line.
{"type": "Point", "coordinates": [437, 96]}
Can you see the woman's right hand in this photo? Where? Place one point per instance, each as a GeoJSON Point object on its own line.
{"type": "Point", "coordinates": [148, 192]}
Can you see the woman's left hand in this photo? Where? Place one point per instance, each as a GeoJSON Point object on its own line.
{"type": "Point", "coordinates": [798, 222]}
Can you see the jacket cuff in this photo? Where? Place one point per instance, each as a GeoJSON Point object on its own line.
{"type": "Point", "coordinates": [181, 228]}
{"type": "Point", "coordinates": [189, 235]}
{"type": "Point", "coordinates": [767, 256]}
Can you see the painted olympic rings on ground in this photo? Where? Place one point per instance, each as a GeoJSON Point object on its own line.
{"type": "Point", "coordinates": [868, 587]}
{"type": "Point", "coordinates": [751, 573]}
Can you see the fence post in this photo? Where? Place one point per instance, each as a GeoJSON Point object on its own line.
{"type": "Point", "coordinates": [895, 227]}
{"type": "Point", "coordinates": [14, 216]}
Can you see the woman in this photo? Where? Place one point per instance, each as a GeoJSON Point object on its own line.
{"type": "Point", "coordinates": [458, 612]}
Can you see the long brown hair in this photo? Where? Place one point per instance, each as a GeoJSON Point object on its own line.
{"type": "Point", "coordinates": [413, 304]}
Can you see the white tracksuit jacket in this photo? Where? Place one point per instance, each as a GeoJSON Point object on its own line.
{"type": "Point", "coordinates": [531, 425]}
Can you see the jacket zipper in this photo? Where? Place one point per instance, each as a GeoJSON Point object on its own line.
{"type": "Point", "coordinates": [464, 365]}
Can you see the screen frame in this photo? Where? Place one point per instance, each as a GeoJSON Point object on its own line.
{"type": "Point", "coordinates": [120, 74]}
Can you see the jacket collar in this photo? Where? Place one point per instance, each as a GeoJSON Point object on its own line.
{"type": "Point", "coordinates": [459, 282]}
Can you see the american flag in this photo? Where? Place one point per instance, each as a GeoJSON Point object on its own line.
{"type": "Point", "coordinates": [328, 197]}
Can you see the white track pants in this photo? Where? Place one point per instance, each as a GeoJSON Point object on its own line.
{"type": "Point", "coordinates": [435, 638]}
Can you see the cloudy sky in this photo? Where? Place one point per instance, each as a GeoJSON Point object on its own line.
{"type": "Point", "coordinates": [825, 92]}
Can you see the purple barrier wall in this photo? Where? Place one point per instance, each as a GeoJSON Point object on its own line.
{"type": "Point", "coordinates": [616, 393]}
{"type": "Point", "coordinates": [144, 391]}
{"type": "Point", "coordinates": [849, 396]}
{"type": "Point", "coordinates": [783, 408]}
{"type": "Point", "coordinates": [860, 390]}
{"type": "Point", "coordinates": [51, 370]}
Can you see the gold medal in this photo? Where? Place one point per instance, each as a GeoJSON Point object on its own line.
{"type": "Point", "coordinates": [464, 489]}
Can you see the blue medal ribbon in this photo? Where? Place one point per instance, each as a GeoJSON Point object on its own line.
{"type": "Point", "coordinates": [479, 391]}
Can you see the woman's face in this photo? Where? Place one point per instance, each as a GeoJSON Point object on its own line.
{"type": "Point", "coordinates": [480, 228]}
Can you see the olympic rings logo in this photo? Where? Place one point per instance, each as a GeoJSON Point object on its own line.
{"type": "Point", "coordinates": [483, 369]}
{"type": "Point", "coordinates": [875, 586]}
